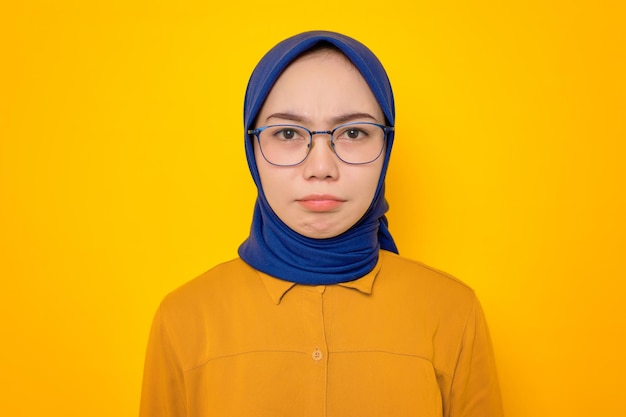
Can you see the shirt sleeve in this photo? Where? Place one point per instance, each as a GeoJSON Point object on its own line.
{"type": "Point", "coordinates": [163, 391]}
{"type": "Point", "coordinates": [475, 391]}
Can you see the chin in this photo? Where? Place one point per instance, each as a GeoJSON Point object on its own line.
{"type": "Point", "coordinates": [321, 233]}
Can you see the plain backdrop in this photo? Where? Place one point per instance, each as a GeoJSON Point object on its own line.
{"type": "Point", "coordinates": [122, 176]}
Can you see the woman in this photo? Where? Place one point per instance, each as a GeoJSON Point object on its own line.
{"type": "Point", "coordinates": [319, 316]}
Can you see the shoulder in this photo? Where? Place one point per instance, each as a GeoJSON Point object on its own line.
{"type": "Point", "coordinates": [221, 282]}
{"type": "Point", "coordinates": [195, 315]}
{"type": "Point", "coordinates": [424, 282]}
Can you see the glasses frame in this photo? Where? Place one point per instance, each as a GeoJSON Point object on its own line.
{"type": "Point", "coordinates": [257, 133]}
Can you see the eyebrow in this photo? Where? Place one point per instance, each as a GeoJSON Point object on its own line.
{"type": "Point", "coordinates": [344, 118]}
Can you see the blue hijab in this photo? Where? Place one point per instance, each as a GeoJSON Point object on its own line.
{"type": "Point", "coordinates": [272, 246]}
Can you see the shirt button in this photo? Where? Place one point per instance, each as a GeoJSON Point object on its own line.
{"type": "Point", "coordinates": [317, 354]}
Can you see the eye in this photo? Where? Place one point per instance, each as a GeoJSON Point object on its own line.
{"type": "Point", "coordinates": [287, 133]}
{"type": "Point", "coordinates": [353, 133]}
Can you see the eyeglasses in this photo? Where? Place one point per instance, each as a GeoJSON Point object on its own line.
{"type": "Point", "coordinates": [354, 143]}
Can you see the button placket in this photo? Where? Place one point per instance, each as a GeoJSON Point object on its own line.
{"type": "Point", "coordinates": [315, 346]}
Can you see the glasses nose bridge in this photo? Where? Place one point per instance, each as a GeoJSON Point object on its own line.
{"type": "Point", "coordinates": [322, 132]}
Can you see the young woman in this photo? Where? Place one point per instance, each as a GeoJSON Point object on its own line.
{"type": "Point", "coordinates": [319, 316]}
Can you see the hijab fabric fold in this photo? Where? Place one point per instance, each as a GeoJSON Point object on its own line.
{"type": "Point", "coordinates": [274, 248]}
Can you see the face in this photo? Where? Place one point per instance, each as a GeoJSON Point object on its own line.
{"type": "Point", "coordinates": [321, 197]}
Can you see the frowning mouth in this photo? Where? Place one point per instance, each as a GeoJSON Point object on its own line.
{"type": "Point", "coordinates": [320, 202]}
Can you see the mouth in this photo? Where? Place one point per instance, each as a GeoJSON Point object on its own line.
{"type": "Point", "coordinates": [320, 202]}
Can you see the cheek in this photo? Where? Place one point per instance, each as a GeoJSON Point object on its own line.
{"type": "Point", "coordinates": [274, 180]}
{"type": "Point", "coordinates": [258, 157]}
{"type": "Point", "coordinates": [370, 178]}
{"type": "Point", "coordinates": [363, 184]}
{"type": "Point", "coordinates": [262, 166]}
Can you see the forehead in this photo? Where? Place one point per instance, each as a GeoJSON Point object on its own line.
{"type": "Point", "coordinates": [322, 50]}
{"type": "Point", "coordinates": [324, 55]}
{"type": "Point", "coordinates": [322, 84]}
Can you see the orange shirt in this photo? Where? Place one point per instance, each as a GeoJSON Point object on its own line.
{"type": "Point", "coordinates": [404, 340]}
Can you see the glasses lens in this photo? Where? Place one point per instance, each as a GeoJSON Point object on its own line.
{"type": "Point", "coordinates": [284, 144]}
{"type": "Point", "coordinates": [359, 143]}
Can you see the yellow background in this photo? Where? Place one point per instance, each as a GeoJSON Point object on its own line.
{"type": "Point", "coordinates": [122, 175]}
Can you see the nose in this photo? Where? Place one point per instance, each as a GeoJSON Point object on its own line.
{"type": "Point", "coordinates": [321, 163]}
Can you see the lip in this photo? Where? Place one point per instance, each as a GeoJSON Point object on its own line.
{"type": "Point", "coordinates": [320, 202]}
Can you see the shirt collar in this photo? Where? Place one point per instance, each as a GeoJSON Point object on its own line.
{"type": "Point", "coordinates": [277, 287]}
